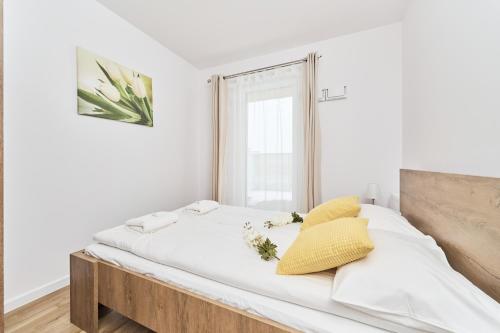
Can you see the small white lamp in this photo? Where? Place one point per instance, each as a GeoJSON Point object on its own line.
{"type": "Point", "coordinates": [373, 192]}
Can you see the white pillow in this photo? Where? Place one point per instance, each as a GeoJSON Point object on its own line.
{"type": "Point", "coordinates": [407, 281]}
{"type": "Point", "coordinates": [387, 219]}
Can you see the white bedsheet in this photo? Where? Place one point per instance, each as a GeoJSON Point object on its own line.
{"type": "Point", "coordinates": [212, 246]}
{"type": "Point", "coordinates": [292, 315]}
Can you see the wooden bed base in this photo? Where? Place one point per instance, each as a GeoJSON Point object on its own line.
{"type": "Point", "coordinates": [97, 286]}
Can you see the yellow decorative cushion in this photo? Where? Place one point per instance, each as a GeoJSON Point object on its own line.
{"type": "Point", "coordinates": [332, 210]}
{"type": "Point", "coordinates": [326, 246]}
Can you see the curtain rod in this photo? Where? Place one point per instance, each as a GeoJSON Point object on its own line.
{"type": "Point", "coordinates": [263, 69]}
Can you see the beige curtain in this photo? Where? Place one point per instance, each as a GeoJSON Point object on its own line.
{"type": "Point", "coordinates": [217, 134]}
{"type": "Point", "coordinates": [311, 134]}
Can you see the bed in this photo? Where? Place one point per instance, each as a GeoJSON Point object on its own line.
{"type": "Point", "coordinates": [167, 296]}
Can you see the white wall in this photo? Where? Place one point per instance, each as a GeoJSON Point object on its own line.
{"type": "Point", "coordinates": [451, 85]}
{"type": "Point", "coordinates": [68, 176]}
{"type": "Point", "coordinates": [361, 136]}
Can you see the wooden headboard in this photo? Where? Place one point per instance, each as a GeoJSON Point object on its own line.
{"type": "Point", "coordinates": [462, 213]}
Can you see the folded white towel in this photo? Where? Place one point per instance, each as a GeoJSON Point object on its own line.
{"type": "Point", "coordinates": [152, 222]}
{"type": "Point", "coordinates": [202, 206]}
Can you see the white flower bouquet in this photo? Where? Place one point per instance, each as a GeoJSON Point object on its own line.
{"type": "Point", "coordinates": [266, 248]}
{"type": "Point", "coordinates": [283, 219]}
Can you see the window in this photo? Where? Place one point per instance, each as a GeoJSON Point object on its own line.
{"type": "Point", "coordinates": [264, 152]}
{"type": "Point", "coordinates": [270, 148]}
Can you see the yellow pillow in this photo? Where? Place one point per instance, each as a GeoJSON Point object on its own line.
{"type": "Point", "coordinates": [326, 246]}
{"type": "Point", "coordinates": [332, 210]}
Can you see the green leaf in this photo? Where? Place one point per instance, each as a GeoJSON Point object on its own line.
{"type": "Point", "coordinates": [297, 218]}
{"type": "Point", "coordinates": [145, 109]}
{"type": "Point", "coordinates": [105, 72]}
{"type": "Point", "coordinates": [137, 105]}
{"type": "Point", "coordinates": [101, 113]}
{"type": "Point", "coordinates": [123, 93]}
{"type": "Point", "coordinates": [109, 106]}
{"type": "Point", "coordinates": [267, 250]}
{"type": "Point", "coordinates": [129, 91]}
{"type": "Point", "coordinates": [150, 109]}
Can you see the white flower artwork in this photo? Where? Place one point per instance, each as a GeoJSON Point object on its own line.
{"type": "Point", "coordinates": [112, 91]}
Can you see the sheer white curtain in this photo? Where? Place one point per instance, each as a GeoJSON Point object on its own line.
{"type": "Point", "coordinates": [263, 162]}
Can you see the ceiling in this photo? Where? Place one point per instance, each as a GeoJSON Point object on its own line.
{"type": "Point", "coordinates": [213, 32]}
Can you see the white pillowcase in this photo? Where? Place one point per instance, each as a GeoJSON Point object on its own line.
{"type": "Point", "coordinates": [406, 280]}
{"type": "Point", "coordinates": [387, 219]}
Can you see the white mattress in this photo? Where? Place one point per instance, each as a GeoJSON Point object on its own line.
{"type": "Point", "coordinates": [292, 315]}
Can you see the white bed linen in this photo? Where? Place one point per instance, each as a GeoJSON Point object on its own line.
{"type": "Point", "coordinates": [382, 218]}
{"type": "Point", "coordinates": [292, 315]}
{"type": "Point", "coordinates": [212, 246]}
{"type": "Point", "coordinates": [412, 284]}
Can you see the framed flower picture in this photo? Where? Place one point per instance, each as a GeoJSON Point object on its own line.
{"type": "Point", "coordinates": [112, 91]}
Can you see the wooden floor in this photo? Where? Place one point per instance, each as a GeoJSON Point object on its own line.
{"type": "Point", "coordinates": [50, 314]}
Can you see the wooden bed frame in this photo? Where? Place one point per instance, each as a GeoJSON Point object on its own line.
{"type": "Point", "coordinates": [97, 286]}
{"type": "Point", "coordinates": [461, 212]}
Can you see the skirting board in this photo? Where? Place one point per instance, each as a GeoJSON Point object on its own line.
{"type": "Point", "coordinates": [29, 296]}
